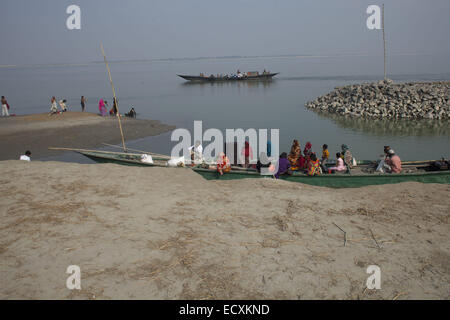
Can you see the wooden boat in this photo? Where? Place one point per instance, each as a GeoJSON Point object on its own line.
{"type": "Point", "coordinates": [251, 77]}
{"type": "Point", "coordinates": [413, 171]}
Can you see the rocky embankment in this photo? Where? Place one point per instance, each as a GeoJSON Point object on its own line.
{"type": "Point", "coordinates": [386, 99]}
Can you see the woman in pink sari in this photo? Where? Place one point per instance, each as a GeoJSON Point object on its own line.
{"type": "Point", "coordinates": [102, 108]}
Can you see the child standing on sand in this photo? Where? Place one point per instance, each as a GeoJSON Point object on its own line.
{"type": "Point", "coordinates": [5, 107]}
{"type": "Point", "coordinates": [53, 106]}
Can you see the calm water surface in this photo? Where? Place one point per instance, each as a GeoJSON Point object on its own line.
{"type": "Point", "coordinates": [157, 93]}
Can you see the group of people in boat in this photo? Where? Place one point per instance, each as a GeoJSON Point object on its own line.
{"type": "Point", "coordinates": [298, 160]}
{"type": "Point", "coordinates": [237, 75]}
{"type": "Point", "coordinates": [308, 162]}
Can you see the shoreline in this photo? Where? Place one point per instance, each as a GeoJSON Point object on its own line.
{"type": "Point", "coordinates": [38, 132]}
{"type": "Point", "coordinates": [166, 233]}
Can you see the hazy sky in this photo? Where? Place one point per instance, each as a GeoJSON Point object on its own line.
{"type": "Point", "coordinates": [35, 31]}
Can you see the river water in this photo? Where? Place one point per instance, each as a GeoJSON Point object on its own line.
{"type": "Point", "coordinates": [156, 92]}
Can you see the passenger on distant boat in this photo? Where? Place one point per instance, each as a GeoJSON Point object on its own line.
{"type": "Point", "coordinates": [340, 166]}
{"type": "Point", "coordinates": [196, 153]}
{"type": "Point", "coordinates": [223, 164]}
{"type": "Point", "coordinates": [314, 166]}
{"type": "Point", "coordinates": [283, 166]}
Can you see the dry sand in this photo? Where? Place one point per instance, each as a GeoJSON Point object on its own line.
{"type": "Point", "coordinates": [38, 132]}
{"type": "Point", "coordinates": [156, 233]}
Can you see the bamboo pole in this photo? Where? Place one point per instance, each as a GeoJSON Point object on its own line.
{"type": "Point", "coordinates": [87, 150]}
{"type": "Point", "coordinates": [384, 41]}
{"type": "Point", "coordinates": [115, 98]}
{"type": "Point", "coordinates": [141, 151]}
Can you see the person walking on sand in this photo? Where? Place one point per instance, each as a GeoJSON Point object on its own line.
{"type": "Point", "coordinates": [83, 103]}
{"type": "Point", "coordinates": [5, 107]}
{"type": "Point", "coordinates": [53, 106]}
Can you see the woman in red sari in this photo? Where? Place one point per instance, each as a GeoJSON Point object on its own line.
{"type": "Point", "coordinates": [307, 152]}
{"type": "Point", "coordinates": [223, 164]}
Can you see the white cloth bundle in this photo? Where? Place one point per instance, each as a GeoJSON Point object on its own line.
{"type": "Point", "coordinates": [146, 158]}
{"type": "Point", "coordinates": [175, 162]}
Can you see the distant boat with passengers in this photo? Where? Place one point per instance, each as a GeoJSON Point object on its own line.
{"type": "Point", "coordinates": [238, 76]}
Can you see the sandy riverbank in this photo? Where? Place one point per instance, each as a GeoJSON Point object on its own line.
{"type": "Point", "coordinates": [156, 233]}
{"type": "Point", "coordinates": [38, 132]}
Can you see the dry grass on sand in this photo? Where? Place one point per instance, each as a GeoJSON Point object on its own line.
{"type": "Point", "coordinates": [156, 233]}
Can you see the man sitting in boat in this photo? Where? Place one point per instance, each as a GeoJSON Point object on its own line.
{"type": "Point", "coordinates": [196, 153]}
{"type": "Point", "coordinates": [393, 163]}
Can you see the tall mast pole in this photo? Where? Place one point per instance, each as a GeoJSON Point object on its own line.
{"type": "Point", "coordinates": [115, 99]}
{"type": "Point", "coordinates": [384, 41]}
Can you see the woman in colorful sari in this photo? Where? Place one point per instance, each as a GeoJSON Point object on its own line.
{"type": "Point", "coordinates": [223, 164]}
{"type": "Point", "coordinates": [314, 166]}
{"type": "Point", "coordinates": [102, 108]}
{"type": "Point", "coordinates": [294, 155]}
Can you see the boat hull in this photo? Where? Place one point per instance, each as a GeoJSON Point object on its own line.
{"type": "Point", "coordinates": [338, 180]}
{"type": "Point", "coordinates": [261, 77]}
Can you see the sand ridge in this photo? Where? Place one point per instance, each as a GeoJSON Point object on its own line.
{"type": "Point", "coordinates": [159, 233]}
{"type": "Point", "coordinates": [38, 132]}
